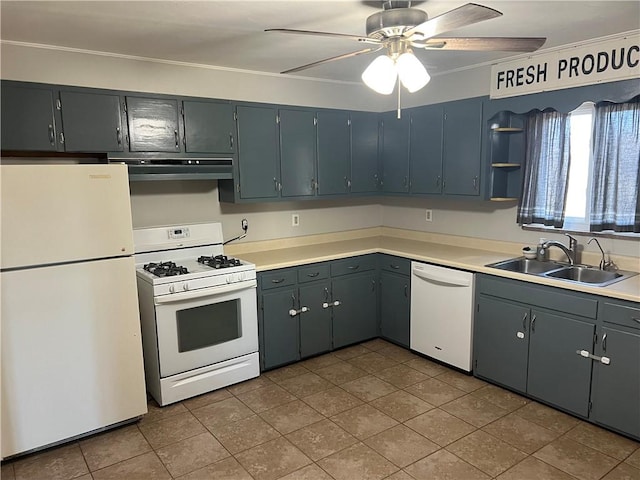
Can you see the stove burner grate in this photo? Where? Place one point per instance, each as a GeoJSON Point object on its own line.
{"type": "Point", "coordinates": [165, 269]}
{"type": "Point", "coordinates": [219, 261]}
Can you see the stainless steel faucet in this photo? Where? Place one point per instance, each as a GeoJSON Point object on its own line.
{"type": "Point", "coordinates": [570, 252]}
{"type": "Point", "coordinates": [604, 263]}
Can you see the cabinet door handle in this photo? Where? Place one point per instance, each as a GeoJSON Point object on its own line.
{"type": "Point", "coordinates": [604, 342]}
{"type": "Point", "coordinates": [293, 312]}
{"type": "Point", "coordinates": [119, 136]}
{"type": "Point", "coordinates": [524, 321]}
{"type": "Point", "coordinates": [405, 182]}
{"type": "Point", "coordinates": [277, 280]}
{"type": "Point", "coordinates": [353, 267]}
{"type": "Point", "coordinates": [586, 354]}
{"type": "Point", "coordinates": [326, 295]}
{"type": "Point", "coordinates": [275, 184]}
{"type": "Point", "coordinates": [62, 138]}
{"type": "Point", "coordinates": [475, 182]}
{"type": "Point", "coordinates": [175, 135]}
{"type": "Point", "coordinates": [373, 285]}
{"type": "Point", "coordinates": [533, 324]}
{"type": "Point", "coordinates": [406, 291]}
{"type": "Point", "coordinates": [438, 180]}
{"type": "Point", "coordinates": [636, 319]}
{"type": "Point", "coordinates": [52, 135]}
{"type": "Point", "coordinates": [313, 274]}
{"type": "Point", "coordinates": [231, 141]}
{"type": "Point", "coordinates": [395, 267]}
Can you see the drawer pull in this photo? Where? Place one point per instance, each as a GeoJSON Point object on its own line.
{"type": "Point", "coordinates": [277, 280]}
{"type": "Point", "coordinates": [313, 274]}
{"type": "Point", "coordinates": [353, 267]}
{"type": "Point", "coordinates": [395, 267]}
{"type": "Point", "coordinates": [636, 319]}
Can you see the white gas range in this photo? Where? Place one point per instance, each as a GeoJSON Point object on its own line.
{"type": "Point", "coordinates": [198, 311]}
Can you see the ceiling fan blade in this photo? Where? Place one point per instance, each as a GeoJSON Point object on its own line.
{"type": "Point", "coordinates": [458, 17]}
{"type": "Point", "coordinates": [503, 44]}
{"type": "Point", "coordinates": [331, 59]}
{"type": "Point", "coordinates": [324, 34]}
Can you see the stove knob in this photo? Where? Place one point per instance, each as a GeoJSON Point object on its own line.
{"type": "Point", "coordinates": [185, 286]}
{"type": "Point", "coordinates": [172, 289]}
{"type": "Point", "coordinates": [228, 279]}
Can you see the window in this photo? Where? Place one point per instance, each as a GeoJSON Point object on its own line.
{"type": "Point", "coordinates": [582, 169]}
{"type": "Point", "coordinates": [578, 202]}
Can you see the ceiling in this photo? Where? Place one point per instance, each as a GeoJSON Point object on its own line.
{"type": "Point", "coordinates": [230, 34]}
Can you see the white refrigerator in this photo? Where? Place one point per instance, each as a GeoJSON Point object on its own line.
{"type": "Point", "coordinates": [70, 328]}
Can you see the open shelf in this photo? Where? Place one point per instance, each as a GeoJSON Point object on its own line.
{"type": "Point", "coordinates": [505, 165]}
{"type": "Point", "coordinates": [504, 199]}
{"type": "Point", "coordinates": [507, 129]}
{"type": "Point", "coordinates": [507, 155]}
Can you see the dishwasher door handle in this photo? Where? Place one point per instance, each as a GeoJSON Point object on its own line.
{"type": "Point", "coordinates": [456, 282]}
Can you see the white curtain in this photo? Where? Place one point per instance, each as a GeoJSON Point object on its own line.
{"type": "Point", "coordinates": [546, 169]}
{"type": "Point", "coordinates": [616, 176]}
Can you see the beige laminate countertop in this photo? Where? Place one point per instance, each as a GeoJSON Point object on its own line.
{"type": "Point", "coordinates": [275, 256]}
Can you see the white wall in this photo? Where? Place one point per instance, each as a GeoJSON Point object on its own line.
{"type": "Point", "coordinates": [177, 202]}
{"type": "Point", "coordinates": [488, 220]}
{"type": "Point", "coordinates": [67, 67]}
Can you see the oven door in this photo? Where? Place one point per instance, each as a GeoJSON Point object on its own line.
{"type": "Point", "coordinates": [202, 327]}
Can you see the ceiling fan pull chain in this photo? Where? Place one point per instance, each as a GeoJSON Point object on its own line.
{"type": "Point", "coordinates": [399, 89]}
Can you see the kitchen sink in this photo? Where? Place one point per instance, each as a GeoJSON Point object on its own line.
{"type": "Point", "coordinates": [525, 265]}
{"type": "Point", "coordinates": [561, 271]}
{"type": "Point", "coordinates": [588, 275]}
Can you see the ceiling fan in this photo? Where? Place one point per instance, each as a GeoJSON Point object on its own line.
{"type": "Point", "coordinates": [399, 29]}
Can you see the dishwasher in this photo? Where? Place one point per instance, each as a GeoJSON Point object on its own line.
{"type": "Point", "coordinates": [442, 313]}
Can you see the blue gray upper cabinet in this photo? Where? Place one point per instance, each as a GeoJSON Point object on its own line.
{"type": "Point", "coordinates": [92, 122]}
{"type": "Point", "coordinates": [395, 153]}
{"type": "Point", "coordinates": [297, 152]}
{"type": "Point", "coordinates": [365, 177]}
{"type": "Point", "coordinates": [462, 144]}
{"type": "Point", "coordinates": [208, 127]}
{"type": "Point", "coordinates": [334, 172]}
{"type": "Point", "coordinates": [153, 124]}
{"type": "Point", "coordinates": [425, 155]}
{"type": "Point", "coordinates": [28, 118]}
{"type": "Point", "coordinates": [258, 157]}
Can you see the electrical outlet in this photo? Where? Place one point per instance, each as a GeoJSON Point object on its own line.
{"type": "Point", "coordinates": [295, 220]}
{"type": "Point", "coordinates": [428, 215]}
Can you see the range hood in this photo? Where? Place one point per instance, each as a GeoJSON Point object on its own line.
{"type": "Point", "coordinates": [176, 168]}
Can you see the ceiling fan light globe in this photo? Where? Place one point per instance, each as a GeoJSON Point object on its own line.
{"type": "Point", "coordinates": [412, 73]}
{"type": "Point", "coordinates": [381, 75]}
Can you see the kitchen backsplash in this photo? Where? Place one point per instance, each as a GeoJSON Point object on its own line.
{"type": "Point", "coordinates": [174, 202]}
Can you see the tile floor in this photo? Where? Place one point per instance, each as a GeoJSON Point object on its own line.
{"type": "Point", "coordinates": [370, 411]}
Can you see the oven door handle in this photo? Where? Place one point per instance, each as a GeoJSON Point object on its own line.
{"type": "Point", "coordinates": [204, 292]}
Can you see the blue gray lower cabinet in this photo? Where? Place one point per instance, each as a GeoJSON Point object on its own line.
{"type": "Point", "coordinates": [355, 318]}
{"type": "Point", "coordinates": [529, 338]}
{"type": "Point", "coordinates": [395, 298]}
{"type": "Point", "coordinates": [615, 392]}
{"type": "Point", "coordinates": [312, 309]}
{"type": "Point", "coordinates": [315, 324]}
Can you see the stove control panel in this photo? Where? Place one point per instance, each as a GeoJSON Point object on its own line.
{"type": "Point", "coordinates": [176, 233]}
